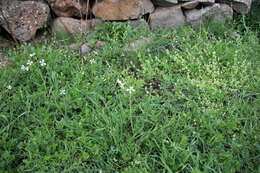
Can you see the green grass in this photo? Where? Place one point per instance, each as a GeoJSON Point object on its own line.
{"type": "Point", "coordinates": [251, 21]}
{"type": "Point", "coordinates": [188, 102]}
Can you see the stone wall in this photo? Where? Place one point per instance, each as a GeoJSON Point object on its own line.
{"type": "Point", "coordinates": [22, 18]}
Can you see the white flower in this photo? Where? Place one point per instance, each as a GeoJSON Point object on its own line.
{"type": "Point", "coordinates": [42, 62]}
{"type": "Point", "coordinates": [9, 87]}
{"type": "Point", "coordinates": [32, 55]}
{"type": "Point", "coordinates": [24, 68]}
{"type": "Point", "coordinates": [137, 162]}
{"type": "Point", "coordinates": [130, 90]}
{"type": "Point", "coordinates": [92, 61]}
{"type": "Point", "coordinates": [120, 83]}
{"type": "Point", "coordinates": [62, 92]}
{"type": "Point", "coordinates": [29, 63]}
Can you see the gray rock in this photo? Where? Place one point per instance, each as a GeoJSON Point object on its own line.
{"type": "Point", "coordinates": [73, 47]}
{"type": "Point", "coordinates": [85, 49]}
{"type": "Point", "coordinates": [204, 2]}
{"type": "Point", "coordinates": [240, 6]}
{"type": "Point", "coordinates": [6, 63]}
{"type": "Point", "coordinates": [165, 3]}
{"type": "Point", "coordinates": [218, 12]}
{"type": "Point", "coordinates": [190, 5]}
{"type": "Point", "coordinates": [135, 45]}
{"type": "Point", "coordinates": [100, 44]}
{"type": "Point", "coordinates": [23, 19]}
{"type": "Point", "coordinates": [69, 26]}
{"type": "Point", "coordinates": [234, 35]}
{"type": "Point", "coordinates": [70, 8]}
{"type": "Point", "coordinates": [171, 17]}
{"type": "Point", "coordinates": [138, 23]}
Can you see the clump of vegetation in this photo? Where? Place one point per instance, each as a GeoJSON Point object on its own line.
{"type": "Point", "coordinates": [251, 21]}
{"type": "Point", "coordinates": [188, 102]}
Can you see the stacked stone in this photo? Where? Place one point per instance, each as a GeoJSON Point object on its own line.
{"type": "Point", "coordinates": [23, 18]}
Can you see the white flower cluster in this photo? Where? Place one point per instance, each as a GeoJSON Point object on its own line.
{"type": "Point", "coordinates": [9, 87]}
{"type": "Point", "coordinates": [24, 68]}
{"type": "Point", "coordinates": [130, 90]}
{"type": "Point", "coordinates": [30, 63]}
{"type": "Point", "coordinates": [32, 55]}
{"type": "Point", "coordinates": [42, 62]}
{"type": "Point", "coordinates": [27, 67]}
{"type": "Point", "coordinates": [121, 84]}
{"type": "Point", "coordinates": [92, 61]}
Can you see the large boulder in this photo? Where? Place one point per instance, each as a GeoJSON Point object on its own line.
{"type": "Point", "coordinates": [165, 3]}
{"type": "Point", "coordinates": [218, 12]}
{"type": "Point", "coordinates": [204, 2]}
{"type": "Point", "coordinates": [240, 6]}
{"type": "Point", "coordinates": [169, 17]}
{"type": "Point", "coordinates": [190, 5]}
{"type": "Point", "coordinates": [64, 26]}
{"type": "Point", "coordinates": [70, 8]}
{"type": "Point", "coordinates": [22, 19]}
{"type": "Point", "coordinates": [122, 9]}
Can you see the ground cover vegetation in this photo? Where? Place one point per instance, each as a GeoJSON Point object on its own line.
{"type": "Point", "coordinates": [187, 102]}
